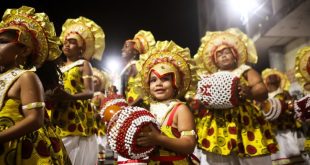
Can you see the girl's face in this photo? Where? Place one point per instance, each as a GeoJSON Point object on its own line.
{"type": "Point", "coordinates": [9, 48]}
{"type": "Point", "coordinates": [71, 48]}
{"type": "Point", "coordinates": [162, 88]}
{"type": "Point", "coordinates": [225, 59]}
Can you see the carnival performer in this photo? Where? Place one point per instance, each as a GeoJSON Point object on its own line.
{"type": "Point", "coordinates": [131, 51]}
{"type": "Point", "coordinates": [234, 133]}
{"type": "Point", "coordinates": [28, 43]}
{"type": "Point", "coordinates": [82, 40]}
{"type": "Point", "coordinates": [101, 83]}
{"type": "Point", "coordinates": [166, 75]}
{"type": "Point", "coordinates": [282, 117]}
{"type": "Point", "coordinates": [301, 106]}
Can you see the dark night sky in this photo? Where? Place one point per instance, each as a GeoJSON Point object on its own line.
{"type": "Point", "coordinates": [175, 20]}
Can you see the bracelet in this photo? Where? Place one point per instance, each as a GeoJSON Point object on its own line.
{"type": "Point", "coordinates": [188, 133]}
{"type": "Point", "coordinates": [87, 76]}
{"type": "Point", "coordinates": [33, 105]}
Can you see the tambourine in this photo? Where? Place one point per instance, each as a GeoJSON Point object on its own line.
{"type": "Point", "coordinates": [218, 90]}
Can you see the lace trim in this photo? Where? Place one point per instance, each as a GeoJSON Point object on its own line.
{"type": "Point", "coordinates": [6, 80]}
{"type": "Point", "coordinates": [68, 67]}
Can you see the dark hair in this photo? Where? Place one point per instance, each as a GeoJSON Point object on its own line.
{"type": "Point", "coordinates": [273, 79]}
{"type": "Point", "coordinates": [50, 75]}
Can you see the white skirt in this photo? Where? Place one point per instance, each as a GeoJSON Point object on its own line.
{"type": "Point", "coordinates": [82, 150]}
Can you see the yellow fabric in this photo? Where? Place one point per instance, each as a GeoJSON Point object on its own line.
{"type": "Point", "coordinates": [144, 40]}
{"type": "Point", "coordinates": [39, 147]}
{"type": "Point", "coordinates": [167, 130]}
{"type": "Point", "coordinates": [133, 93]}
{"type": "Point", "coordinates": [241, 129]}
{"type": "Point", "coordinates": [35, 31]}
{"type": "Point", "coordinates": [162, 152]}
{"type": "Point", "coordinates": [96, 101]}
{"type": "Point", "coordinates": [92, 35]}
{"type": "Point", "coordinates": [74, 117]}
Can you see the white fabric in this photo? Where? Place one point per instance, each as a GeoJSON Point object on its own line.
{"type": "Point", "coordinates": [215, 159]}
{"type": "Point", "coordinates": [82, 150]}
{"type": "Point", "coordinates": [102, 143]}
{"type": "Point", "coordinates": [288, 145]}
{"type": "Point", "coordinates": [201, 156]}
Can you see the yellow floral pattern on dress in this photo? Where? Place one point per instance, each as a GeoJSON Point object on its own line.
{"type": "Point", "coordinates": [168, 131]}
{"type": "Point", "coordinates": [241, 129]}
{"type": "Point", "coordinates": [74, 117]}
{"type": "Point", "coordinates": [39, 147]}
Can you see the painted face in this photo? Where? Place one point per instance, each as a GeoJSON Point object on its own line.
{"type": "Point", "coordinates": [9, 48]}
{"type": "Point", "coordinates": [128, 50]}
{"type": "Point", "coordinates": [161, 88]}
{"type": "Point", "coordinates": [71, 48]}
{"type": "Point", "coordinates": [225, 59]}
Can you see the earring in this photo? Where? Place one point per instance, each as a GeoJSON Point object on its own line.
{"type": "Point", "coordinates": [19, 62]}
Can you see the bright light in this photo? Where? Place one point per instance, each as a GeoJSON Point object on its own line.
{"type": "Point", "coordinates": [245, 8]}
{"type": "Point", "coordinates": [113, 63]}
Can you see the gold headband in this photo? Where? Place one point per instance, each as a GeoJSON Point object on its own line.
{"type": "Point", "coordinates": [91, 36]}
{"type": "Point", "coordinates": [35, 31]}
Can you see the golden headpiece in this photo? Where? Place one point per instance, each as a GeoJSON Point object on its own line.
{"type": "Point", "coordinates": [285, 83]}
{"type": "Point", "coordinates": [168, 57]}
{"type": "Point", "coordinates": [103, 77]}
{"type": "Point", "coordinates": [34, 31]}
{"type": "Point", "coordinates": [88, 34]}
{"type": "Point", "coordinates": [143, 40]}
{"type": "Point", "coordinates": [242, 48]}
{"type": "Point", "coordinates": [302, 66]}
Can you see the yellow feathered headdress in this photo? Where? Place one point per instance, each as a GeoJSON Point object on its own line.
{"type": "Point", "coordinates": [242, 47]}
{"type": "Point", "coordinates": [35, 31]}
{"type": "Point", "coordinates": [88, 34]}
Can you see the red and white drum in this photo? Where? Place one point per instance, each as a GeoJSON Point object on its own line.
{"type": "Point", "coordinates": [218, 90]}
{"type": "Point", "coordinates": [302, 108]}
{"type": "Point", "coordinates": [124, 128]}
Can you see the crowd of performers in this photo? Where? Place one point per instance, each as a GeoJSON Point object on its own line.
{"type": "Point", "coordinates": [172, 108]}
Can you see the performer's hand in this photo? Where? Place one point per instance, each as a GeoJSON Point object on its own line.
{"type": "Point", "coordinates": [244, 92]}
{"type": "Point", "coordinates": [148, 138]}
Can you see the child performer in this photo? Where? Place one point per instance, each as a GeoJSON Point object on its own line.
{"type": "Point", "coordinates": [167, 76]}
